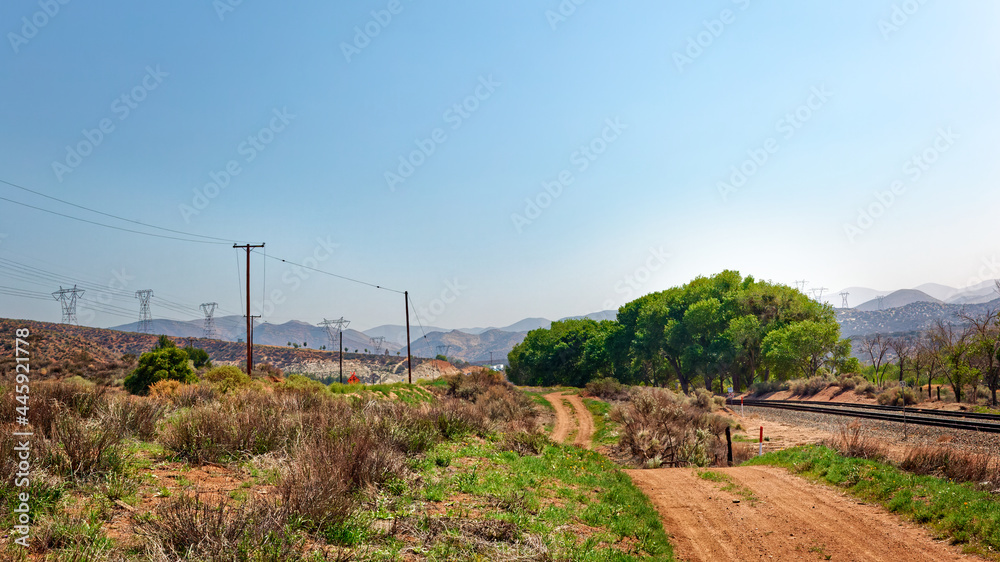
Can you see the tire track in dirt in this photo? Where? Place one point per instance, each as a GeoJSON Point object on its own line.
{"type": "Point", "coordinates": [585, 421]}
{"type": "Point", "coordinates": [791, 519]}
{"type": "Point", "coordinates": [567, 420]}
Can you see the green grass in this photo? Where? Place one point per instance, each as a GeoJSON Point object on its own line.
{"type": "Point", "coordinates": [539, 398]}
{"type": "Point", "coordinates": [957, 511]}
{"type": "Point", "coordinates": [405, 392]}
{"type": "Point", "coordinates": [546, 496]}
{"type": "Point", "coordinates": [743, 492]}
{"type": "Point", "coordinates": [605, 430]}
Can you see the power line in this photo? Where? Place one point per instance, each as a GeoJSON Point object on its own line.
{"type": "Point", "coordinates": [40, 194]}
{"type": "Point", "coordinates": [345, 278]}
{"type": "Point", "coordinates": [108, 225]}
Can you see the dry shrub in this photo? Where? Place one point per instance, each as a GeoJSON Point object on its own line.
{"type": "Point", "coordinates": [608, 388]}
{"type": "Point", "coordinates": [811, 386]}
{"type": "Point", "coordinates": [241, 425]}
{"type": "Point", "coordinates": [898, 397]}
{"type": "Point", "coordinates": [470, 386]}
{"type": "Point", "coordinates": [309, 393]}
{"type": "Point", "coordinates": [79, 447]}
{"type": "Point", "coordinates": [134, 416]}
{"type": "Point", "coordinates": [947, 462]}
{"type": "Point", "coordinates": [185, 527]}
{"type": "Point", "coordinates": [227, 378]}
{"type": "Point", "coordinates": [165, 389]}
{"type": "Point", "coordinates": [854, 441]}
{"type": "Point", "coordinates": [524, 443]}
{"type": "Point", "coordinates": [318, 489]}
{"type": "Point", "coordinates": [191, 395]}
{"type": "Point", "coordinates": [708, 401]}
{"type": "Point", "coordinates": [52, 399]}
{"type": "Point", "coordinates": [658, 427]}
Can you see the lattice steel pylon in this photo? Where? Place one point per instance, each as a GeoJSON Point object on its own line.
{"type": "Point", "coordinates": [145, 318]}
{"type": "Point", "coordinates": [446, 349]}
{"type": "Point", "coordinates": [377, 343]}
{"type": "Point", "coordinates": [67, 298]}
{"type": "Point", "coordinates": [209, 309]}
{"type": "Point", "coordinates": [881, 304]}
{"type": "Point", "coordinates": [819, 293]}
{"type": "Point", "coordinates": [334, 327]}
{"type": "Point", "coordinates": [844, 296]}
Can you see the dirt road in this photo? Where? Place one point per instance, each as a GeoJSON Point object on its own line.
{"type": "Point", "coordinates": [567, 419]}
{"type": "Point", "coordinates": [779, 517]}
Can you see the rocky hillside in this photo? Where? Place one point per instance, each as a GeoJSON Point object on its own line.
{"type": "Point", "coordinates": [60, 350]}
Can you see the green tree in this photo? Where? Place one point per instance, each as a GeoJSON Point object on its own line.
{"type": "Point", "coordinates": [555, 355]}
{"type": "Point", "coordinates": [169, 363]}
{"type": "Point", "coordinates": [198, 356]}
{"type": "Point", "coordinates": [800, 349]}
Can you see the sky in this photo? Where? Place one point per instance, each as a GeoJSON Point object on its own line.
{"type": "Point", "coordinates": [497, 159]}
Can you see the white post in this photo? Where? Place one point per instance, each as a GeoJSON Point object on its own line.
{"type": "Point", "coordinates": [761, 441]}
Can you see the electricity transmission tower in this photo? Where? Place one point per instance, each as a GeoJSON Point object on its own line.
{"type": "Point", "coordinates": [446, 348]}
{"type": "Point", "coordinates": [67, 298]}
{"type": "Point", "coordinates": [377, 343]}
{"type": "Point", "coordinates": [844, 296]}
{"type": "Point", "coordinates": [334, 327]}
{"type": "Point", "coordinates": [801, 285]}
{"type": "Point", "coordinates": [209, 309]}
{"type": "Point", "coordinates": [145, 318]}
{"type": "Point", "coordinates": [881, 305]}
{"type": "Point", "coordinates": [819, 293]}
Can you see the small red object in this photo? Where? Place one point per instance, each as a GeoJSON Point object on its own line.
{"type": "Point", "coordinates": [354, 379]}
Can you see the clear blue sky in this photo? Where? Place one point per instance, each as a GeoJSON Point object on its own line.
{"type": "Point", "coordinates": [644, 108]}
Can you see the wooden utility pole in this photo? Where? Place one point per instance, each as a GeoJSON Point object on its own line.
{"type": "Point", "coordinates": [248, 247]}
{"type": "Point", "coordinates": [409, 358]}
{"type": "Point", "coordinates": [341, 357]}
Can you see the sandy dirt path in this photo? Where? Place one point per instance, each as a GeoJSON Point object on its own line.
{"type": "Point", "coordinates": [567, 419]}
{"type": "Point", "coordinates": [584, 420]}
{"type": "Point", "coordinates": [791, 519]}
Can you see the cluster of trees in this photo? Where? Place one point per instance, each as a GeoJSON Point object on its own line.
{"type": "Point", "coordinates": [718, 328]}
{"type": "Point", "coordinates": [964, 353]}
{"type": "Point", "coordinates": [166, 362]}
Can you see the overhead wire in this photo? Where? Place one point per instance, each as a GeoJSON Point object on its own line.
{"type": "Point", "coordinates": [338, 276]}
{"type": "Point", "coordinates": [40, 194]}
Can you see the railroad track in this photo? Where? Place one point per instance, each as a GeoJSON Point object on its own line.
{"type": "Point", "coordinates": [968, 421]}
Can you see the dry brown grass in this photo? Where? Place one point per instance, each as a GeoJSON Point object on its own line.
{"type": "Point", "coordinates": [948, 462]}
{"type": "Point", "coordinates": [855, 441]}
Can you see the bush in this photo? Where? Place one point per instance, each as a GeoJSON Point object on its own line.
{"type": "Point", "coordinates": [133, 415]}
{"type": "Point", "coordinates": [903, 396]}
{"type": "Point", "coordinates": [708, 401]}
{"type": "Point", "coordinates": [948, 462]}
{"type": "Point", "coordinates": [767, 387]}
{"type": "Point", "coordinates": [608, 388]}
{"type": "Point", "coordinates": [658, 427]}
{"type": "Point", "coordinates": [811, 386]}
{"type": "Point", "coordinates": [853, 441]}
{"type": "Point", "coordinates": [199, 357]}
{"type": "Point", "coordinates": [227, 377]}
{"type": "Point", "coordinates": [165, 389]}
{"type": "Point", "coordinates": [168, 363]}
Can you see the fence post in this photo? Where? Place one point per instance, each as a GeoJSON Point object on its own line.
{"type": "Point", "coordinates": [761, 452]}
{"type": "Point", "coordinates": [729, 447]}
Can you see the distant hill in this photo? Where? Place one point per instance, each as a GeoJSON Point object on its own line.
{"type": "Point", "coordinates": [233, 328]}
{"type": "Point", "coordinates": [72, 347]}
{"type": "Point", "coordinates": [897, 299]}
{"type": "Point", "coordinates": [912, 317]}
{"type": "Point", "coordinates": [470, 347]}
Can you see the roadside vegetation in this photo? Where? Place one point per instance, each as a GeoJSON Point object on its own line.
{"type": "Point", "coordinates": [209, 463]}
{"type": "Point", "coordinates": [964, 512]}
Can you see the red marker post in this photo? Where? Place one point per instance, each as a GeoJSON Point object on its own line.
{"type": "Point", "coordinates": [761, 441]}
